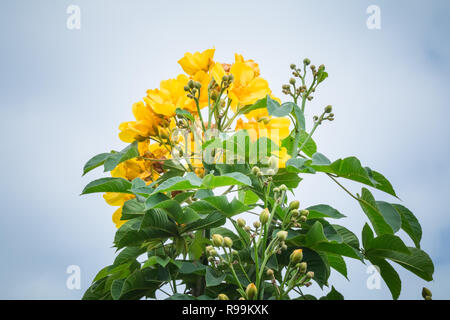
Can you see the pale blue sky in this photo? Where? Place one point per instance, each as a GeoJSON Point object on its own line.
{"type": "Point", "coordinates": [64, 93]}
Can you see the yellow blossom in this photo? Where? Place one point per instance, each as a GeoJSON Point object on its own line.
{"type": "Point", "coordinates": [146, 124]}
{"type": "Point", "coordinates": [283, 156]}
{"type": "Point", "coordinates": [199, 61]}
{"type": "Point", "coordinates": [250, 63]}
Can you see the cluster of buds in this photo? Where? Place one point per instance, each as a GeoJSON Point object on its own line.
{"type": "Point", "coordinates": [193, 89]}
{"type": "Point", "coordinates": [326, 115]}
{"type": "Point", "coordinates": [227, 80]}
{"type": "Point", "coordinates": [221, 242]}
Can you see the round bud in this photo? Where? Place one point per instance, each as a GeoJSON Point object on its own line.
{"type": "Point", "coordinates": [251, 291]}
{"type": "Point", "coordinates": [186, 88]}
{"type": "Point", "coordinates": [328, 108]}
{"type": "Point", "coordinates": [296, 256]}
{"type": "Point", "coordinates": [306, 61]}
{"type": "Point", "coordinates": [321, 67]}
{"type": "Point", "coordinates": [295, 213]}
{"type": "Point", "coordinates": [228, 242]}
{"type": "Point", "coordinates": [222, 296]}
{"type": "Point", "coordinates": [256, 224]}
{"type": "Point", "coordinates": [304, 212]}
{"type": "Point", "coordinates": [231, 78]}
{"type": "Point", "coordinates": [234, 253]}
{"type": "Point", "coordinates": [282, 235]}
{"type": "Point", "coordinates": [210, 259]}
{"type": "Point", "coordinates": [241, 298]}
{"type": "Point", "coordinates": [269, 272]}
{"type": "Point", "coordinates": [208, 249]}
{"type": "Point", "coordinates": [426, 293]}
{"type": "Point", "coordinates": [247, 228]}
{"type": "Point", "coordinates": [303, 218]}
{"type": "Point", "coordinates": [292, 66]}
{"type": "Point", "coordinates": [302, 267]}
{"type": "Point", "coordinates": [285, 87]}
{"type": "Point", "coordinates": [294, 205]}
{"type": "Point", "coordinates": [225, 78]}
{"type": "Point", "coordinates": [310, 275]}
{"type": "Point", "coordinates": [190, 84]}
{"type": "Point", "coordinates": [276, 190]}
{"type": "Point", "coordinates": [292, 80]}
{"type": "Point", "coordinates": [255, 170]}
{"type": "Point", "coordinates": [283, 187]}
{"type": "Point", "coordinates": [198, 85]}
{"type": "Point", "coordinates": [213, 253]}
{"type": "Point", "coordinates": [264, 216]}
{"type": "Point", "coordinates": [217, 240]}
{"type": "Point", "coordinates": [241, 222]}
{"type": "Point", "coordinates": [214, 95]}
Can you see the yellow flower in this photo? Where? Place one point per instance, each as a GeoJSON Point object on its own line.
{"type": "Point", "coordinates": [170, 96]}
{"type": "Point", "coordinates": [247, 88]}
{"type": "Point", "coordinates": [204, 78]}
{"type": "Point", "coordinates": [146, 124]}
{"type": "Point", "coordinates": [250, 63]}
{"type": "Point", "coordinates": [129, 169]}
{"type": "Point", "coordinates": [192, 63]}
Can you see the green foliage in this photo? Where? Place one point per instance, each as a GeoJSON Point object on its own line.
{"type": "Point", "coordinates": [186, 230]}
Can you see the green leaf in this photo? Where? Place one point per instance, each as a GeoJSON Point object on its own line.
{"type": "Point", "coordinates": [157, 224]}
{"type": "Point", "coordinates": [310, 147]}
{"type": "Point", "coordinates": [219, 204]}
{"type": "Point", "coordinates": [95, 162]}
{"type": "Point", "coordinates": [184, 114]}
{"type": "Point", "coordinates": [130, 152]}
{"type": "Point", "coordinates": [274, 109]}
{"type": "Point", "coordinates": [262, 103]}
{"type": "Point", "coordinates": [317, 264]}
{"type": "Point", "coordinates": [370, 208]}
{"type": "Point", "coordinates": [410, 224]}
{"type": "Point", "coordinates": [132, 209]}
{"type": "Point", "coordinates": [418, 262]}
{"type": "Point", "coordinates": [180, 296]}
{"type": "Point", "coordinates": [347, 236]}
{"type": "Point", "coordinates": [211, 181]}
{"type": "Point", "coordinates": [333, 295]}
{"type": "Point", "coordinates": [290, 179]}
{"type": "Point", "coordinates": [337, 263]}
{"type": "Point", "coordinates": [190, 181]}
{"type": "Point", "coordinates": [247, 196]}
{"type": "Point", "coordinates": [128, 254]}
{"type": "Point", "coordinates": [391, 216]}
{"type": "Point", "coordinates": [213, 278]}
{"type": "Point", "coordinates": [323, 211]}
{"type": "Point", "coordinates": [367, 236]}
{"type": "Point", "coordinates": [107, 185]}
{"type": "Point", "coordinates": [213, 220]}
{"type": "Point", "coordinates": [385, 242]}
{"type": "Point", "coordinates": [140, 283]}
{"type": "Point", "coordinates": [389, 275]}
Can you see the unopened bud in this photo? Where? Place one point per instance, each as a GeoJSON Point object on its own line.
{"type": "Point", "coordinates": [228, 242]}
{"type": "Point", "coordinates": [294, 205]}
{"type": "Point", "coordinates": [306, 61]}
{"type": "Point", "coordinates": [241, 222]}
{"type": "Point", "coordinates": [328, 109]}
{"type": "Point", "coordinates": [264, 216]}
{"type": "Point", "coordinates": [222, 296]}
{"type": "Point", "coordinates": [303, 218]}
{"type": "Point", "coordinates": [304, 212]}
{"type": "Point", "coordinates": [292, 66]}
{"type": "Point", "coordinates": [217, 240]}
{"type": "Point", "coordinates": [295, 213]}
{"type": "Point", "coordinates": [255, 170]}
{"type": "Point", "coordinates": [282, 235]}
{"type": "Point", "coordinates": [310, 275]}
{"type": "Point", "coordinates": [198, 85]}
{"type": "Point", "coordinates": [426, 293]}
{"type": "Point", "coordinates": [283, 187]}
{"type": "Point", "coordinates": [296, 256]}
{"type": "Point", "coordinates": [269, 272]}
{"type": "Point", "coordinates": [191, 84]}
{"type": "Point", "coordinates": [256, 224]}
{"type": "Point", "coordinates": [251, 291]}
{"type": "Point", "coordinates": [292, 80]}
{"type": "Point", "coordinates": [302, 267]}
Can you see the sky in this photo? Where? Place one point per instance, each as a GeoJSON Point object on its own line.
{"type": "Point", "coordinates": [64, 92]}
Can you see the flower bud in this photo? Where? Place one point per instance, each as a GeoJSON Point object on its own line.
{"type": "Point", "coordinates": [294, 205]}
{"type": "Point", "coordinates": [264, 216]}
{"type": "Point", "coordinates": [247, 228]}
{"type": "Point", "coordinates": [186, 88]}
{"type": "Point", "coordinates": [208, 249]}
{"type": "Point", "coordinates": [292, 66]}
{"type": "Point", "coordinates": [303, 218]}
{"type": "Point", "coordinates": [276, 190]}
{"type": "Point", "coordinates": [304, 212]}
{"type": "Point", "coordinates": [228, 242]}
{"type": "Point", "coordinates": [269, 272]}
{"type": "Point", "coordinates": [295, 213]}
{"type": "Point", "coordinates": [328, 109]}
{"type": "Point", "coordinates": [213, 253]}
{"type": "Point", "coordinates": [256, 224]}
{"type": "Point", "coordinates": [310, 275]}
{"type": "Point", "coordinates": [190, 84]}
{"type": "Point", "coordinates": [223, 296]}
{"type": "Point", "coordinates": [282, 235]}
{"type": "Point", "coordinates": [306, 61]}
{"type": "Point", "coordinates": [292, 80]}
{"type": "Point", "coordinates": [234, 253]}
{"type": "Point", "coordinates": [296, 256]}
{"type": "Point", "coordinates": [197, 85]}
{"type": "Point", "coordinates": [241, 298]}
{"type": "Point", "coordinates": [283, 187]}
{"type": "Point", "coordinates": [302, 267]}
{"type": "Point", "coordinates": [217, 240]}
{"type": "Point", "coordinates": [255, 170]}
{"type": "Point", "coordinates": [251, 291]}
{"type": "Point", "coordinates": [426, 293]}
{"type": "Point", "coordinates": [241, 222]}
